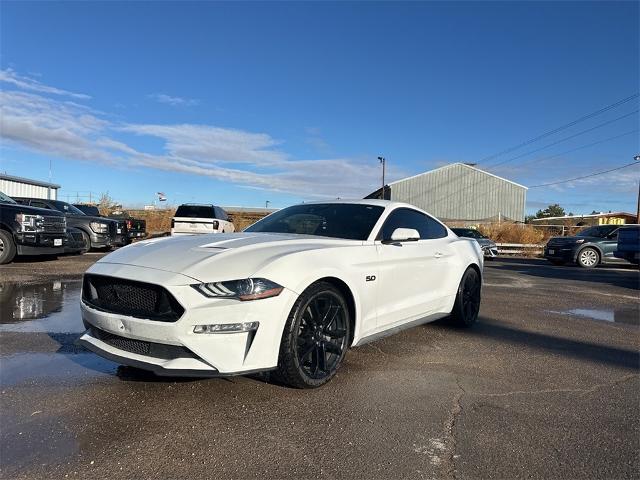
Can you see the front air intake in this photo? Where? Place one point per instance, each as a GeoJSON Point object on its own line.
{"type": "Point", "coordinates": [131, 298]}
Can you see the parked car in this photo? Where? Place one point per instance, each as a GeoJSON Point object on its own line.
{"type": "Point", "coordinates": [136, 227]}
{"type": "Point", "coordinates": [488, 246]}
{"type": "Point", "coordinates": [97, 232]}
{"type": "Point", "coordinates": [588, 248]}
{"type": "Point", "coordinates": [29, 231]}
{"type": "Point", "coordinates": [292, 293]}
{"type": "Point", "coordinates": [629, 244]}
{"type": "Point", "coordinates": [192, 218]}
{"type": "Point", "coordinates": [120, 238]}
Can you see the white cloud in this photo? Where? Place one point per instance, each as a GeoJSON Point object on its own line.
{"type": "Point", "coordinates": [256, 160]}
{"type": "Point", "coordinates": [174, 101]}
{"type": "Point", "coordinates": [25, 83]}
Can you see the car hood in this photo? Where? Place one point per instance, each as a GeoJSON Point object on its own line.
{"type": "Point", "coordinates": [485, 242]}
{"type": "Point", "coordinates": [19, 208]}
{"type": "Point", "coordinates": [221, 256]}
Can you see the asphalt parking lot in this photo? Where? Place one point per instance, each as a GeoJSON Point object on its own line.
{"type": "Point", "coordinates": [545, 386]}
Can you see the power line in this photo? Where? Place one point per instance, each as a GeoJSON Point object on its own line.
{"type": "Point", "coordinates": [564, 139]}
{"type": "Point", "coordinates": [558, 129]}
{"type": "Point", "coordinates": [579, 148]}
{"type": "Point", "coordinates": [584, 176]}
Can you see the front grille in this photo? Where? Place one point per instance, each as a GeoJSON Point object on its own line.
{"type": "Point", "coordinates": [140, 347]}
{"type": "Point", "coordinates": [131, 298]}
{"type": "Point", "coordinates": [54, 224]}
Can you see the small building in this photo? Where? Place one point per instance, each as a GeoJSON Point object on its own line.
{"type": "Point", "coordinates": [25, 187]}
{"type": "Point", "coordinates": [610, 218]}
{"type": "Point", "coordinates": [460, 193]}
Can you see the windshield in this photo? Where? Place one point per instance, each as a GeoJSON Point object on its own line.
{"type": "Point", "coordinates": [335, 220]}
{"type": "Point", "coordinates": [600, 231]}
{"type": "Point", "coordinates": [88, 210]}
{"type": "Point", "coordinates": [6, 199]}
{"type": "Point", "coordinates": [65, 207]}
{"type": "Point", "coordinates": [467, 232]}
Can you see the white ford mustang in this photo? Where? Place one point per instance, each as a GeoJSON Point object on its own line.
{"type": "Point", "coordinates": [291, 293]}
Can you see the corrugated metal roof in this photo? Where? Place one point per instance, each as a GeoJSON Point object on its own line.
{"type": "Point", "coordinates": [453, 165]}
{"type": "Point", "coordinates": [28, 181]}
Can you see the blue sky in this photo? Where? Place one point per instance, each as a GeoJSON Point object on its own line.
{"type": "Point", "coordinates": [239, 103]}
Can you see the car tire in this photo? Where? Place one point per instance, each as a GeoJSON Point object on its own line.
{"type": "Point", "coordinates": [7, 247]}
{"type": "Point", "coordinates": [588, 257]}
{"type": "Point", "coordinates": [467, 303]}
{"type": "Point", "coordinates": [557, 263]}
{"type": "Point", "coordinates": [87, 243]}
{"type": "Point", "coordinates": [315, 338]}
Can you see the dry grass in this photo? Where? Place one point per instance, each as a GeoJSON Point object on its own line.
{"type": "Point", "coordinates": [513, 233]}
{"type": "Point", "coordinates": [159, 221]}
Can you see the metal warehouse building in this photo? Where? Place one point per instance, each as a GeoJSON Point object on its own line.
{"type": "Point", "coordinates": [460, 193]}
{"type": "Point", "coordinates": [24, 187]}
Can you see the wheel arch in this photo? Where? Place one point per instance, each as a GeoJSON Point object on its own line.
{"type": "Point", "coordinates": [345, 290]}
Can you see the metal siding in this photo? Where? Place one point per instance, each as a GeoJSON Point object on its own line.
{"type": "Point", "coordinates": [20, 189]}
{"type": "Point", "coordinates": [459, 192]}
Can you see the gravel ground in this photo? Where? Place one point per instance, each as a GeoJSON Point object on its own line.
{"type": "Point", "coordinates": [545, 386]}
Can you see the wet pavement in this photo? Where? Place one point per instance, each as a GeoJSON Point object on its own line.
{"type": "Point", "coordinates": [546, 385]}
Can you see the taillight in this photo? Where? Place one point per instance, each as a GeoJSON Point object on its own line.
{"type": "Point", "coordinates": [129, 224]}
{"type": "Point", "coordinates": [173, 223]}
{"type": "Point", "coordinates": [215, 224]}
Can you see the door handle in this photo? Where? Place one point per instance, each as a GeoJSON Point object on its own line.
{"type": "Point", "coordinates": [438, 254]}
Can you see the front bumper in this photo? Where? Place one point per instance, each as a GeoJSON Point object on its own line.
{"type": "Point", "coordinates": [101, 240]}
{"type": "Point", "coordinates": [561, 252]}
{"type": "Point", "coordinates": [40, 243]}
{"type": "Point", "coordinates": [211, 354]}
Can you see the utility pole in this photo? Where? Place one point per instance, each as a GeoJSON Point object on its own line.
{"type": "Point", "coordinates": [637, 159]}
{"type": "Point", "coordinates": [383, 161]}
{"type": "Point", "coordinates": [49, 188]}
{"type": "Point", "coordinates": [266, 204]}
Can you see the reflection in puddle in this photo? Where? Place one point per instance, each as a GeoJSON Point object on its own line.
{"type": "Point", "coordinates": [629, 316]}
{"type": "Point", "coordinates": [53, 368]}
{"type": "Point", "coordinates": [42, 307]}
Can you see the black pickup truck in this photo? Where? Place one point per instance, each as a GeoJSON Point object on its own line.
{"type": "Point", "coordinates": [129, 228]}
{"type": "Point", "coordinates": [97, 232]}
{"type": "Point", "coordinates": [29, 231]}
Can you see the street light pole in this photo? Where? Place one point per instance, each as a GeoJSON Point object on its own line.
{"type": "Point", "coordinates": [637, 159]}
{"type": "Point", "coordinates": [383, 161]}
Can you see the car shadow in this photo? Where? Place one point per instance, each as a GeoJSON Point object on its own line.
{"type": "Point", "coordinates": [624, 276]}
{"type": "Point", "coordinates": [577, 349]}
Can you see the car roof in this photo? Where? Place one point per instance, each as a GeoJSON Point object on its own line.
{"type": "Point", "coordinates": [380, 203]}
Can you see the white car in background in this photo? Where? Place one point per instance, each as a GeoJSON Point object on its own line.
{"type": "Point", "coordinates": [196, 218]}
{"type": "Point", "coordinates": [292, 293]}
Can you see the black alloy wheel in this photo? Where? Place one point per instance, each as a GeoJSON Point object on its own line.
{"type": "Point", "coordinates": [315, 339]}
{"type": "Point", "coordinates": [467, 303]}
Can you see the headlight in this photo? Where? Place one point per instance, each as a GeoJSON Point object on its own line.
{"type": "Point", "coordinates": [30, 223]}
{"type": "Point", "coordinates": [99, 227]}
{"type": "Point", "coordinates": [246, 289]}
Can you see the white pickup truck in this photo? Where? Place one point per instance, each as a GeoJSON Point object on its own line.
{"type": "Point", "coordinates": [193, 219]}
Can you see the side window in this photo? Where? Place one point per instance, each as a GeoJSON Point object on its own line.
{"type": "Point", "coordinates": [407, 218]}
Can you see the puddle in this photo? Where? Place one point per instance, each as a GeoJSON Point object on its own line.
{"type": "Point", "coordinates": [41, 307]}
{"type": "Point", "coordinates": [54, 368]}
{"type": "Point", "coordinates": [628, 316]}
